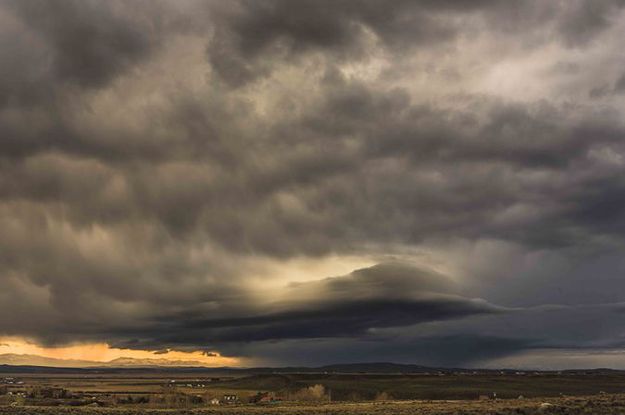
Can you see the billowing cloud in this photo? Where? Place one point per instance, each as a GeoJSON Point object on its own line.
{"type": "Point", "coordinates": [170, 170]}
{"type": "Point", "coordinates": [386, 295]}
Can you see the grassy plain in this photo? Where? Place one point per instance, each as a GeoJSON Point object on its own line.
{"type": "Point", "coordinates": [597, 392]}
{"type": "Point", "coordinates": [597, 405]}
{"type": "Point", "coordinates": [344, 387]}
{"type": "Point", "coordinates": [358, 387]}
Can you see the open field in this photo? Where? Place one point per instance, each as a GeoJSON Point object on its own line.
{"type": "Point", "coordinates": [601, 391]}
{"type": "Point", "coordinates": [357, 387]}
{"type": "Point", "coordinates": [597, 404]}
{"type": "Point", "coordinates": [338, 386]}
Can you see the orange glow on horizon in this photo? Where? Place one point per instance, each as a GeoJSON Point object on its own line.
{"type": "Point", "coordinates": [102, 352]}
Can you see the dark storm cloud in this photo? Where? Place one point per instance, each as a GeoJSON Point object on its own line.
{"type": "Point", "coordinates": [469, 342]}
{"type": "Point", "coordinates": [531, 135]}
{"type": "Point", "coordinates": [55, 52]}
{"type": "Point", "coordinates": [159, 159]}
{"type": "Point", "coordinates": [585, 19]}
{"type": "Point", "coordinates": [91, 42]}
{"type": "Point", "coordinates": [248, 30]}
{"type": "Point", "coordinates": [338, 320]}
{"type": "Point", "coordinates": [619, 85]}
{"type": "Point", "coordinates": [386, 295]}
{"type": "Point", "coordinates": [448, 351]}
{"type": "Point", "coordinates": [249, 35]}
{"type": "Point", "coordinates": [351, 319]}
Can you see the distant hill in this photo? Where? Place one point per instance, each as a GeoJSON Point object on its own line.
{"type": "Point", "coordinates": [10, 362]}
{"type": "Point", "coordinates": [35, 360]}
{"type": "Point", "coordinates": [127, 362]}
{"type": "Point", "coordinates": [13, 363]}
{"type": "Point", "coordinates": [131, 362]}
{"type": "Point", "coordinates": [376, 368]}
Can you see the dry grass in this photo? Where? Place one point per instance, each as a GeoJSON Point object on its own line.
{"type": "Point", "coordinates": [596, 404]}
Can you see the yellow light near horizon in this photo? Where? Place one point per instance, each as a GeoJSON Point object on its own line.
{"type": "Point", "coordinates": [102, 352]}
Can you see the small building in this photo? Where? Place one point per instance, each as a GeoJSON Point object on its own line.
{"type": "Point", "coordinates": [264, 398]}
{"type": "Point", "coordinates": [261, 397]}
{"type": "Point", "coordinates": [214, 401]}
{"type": "Point", "coordinates": [229, 399]}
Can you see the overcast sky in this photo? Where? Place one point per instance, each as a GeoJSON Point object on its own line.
{"type": "Point", "coordinates": [438, 182]}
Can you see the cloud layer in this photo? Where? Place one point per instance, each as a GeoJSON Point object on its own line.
{"type": "Point", "coordinates": [168, 168]}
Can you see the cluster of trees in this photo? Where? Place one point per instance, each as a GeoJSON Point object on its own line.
{"type": "Point", "coordinates": [315, 393]}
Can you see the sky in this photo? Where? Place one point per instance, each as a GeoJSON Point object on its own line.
{"type": "Point", "coordinates": [438, 182]}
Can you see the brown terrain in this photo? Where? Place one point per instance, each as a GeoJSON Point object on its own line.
{"type": "Point", "coordinates": [603, 404]}
{"type": "Point", "coordinates": [125, 393]}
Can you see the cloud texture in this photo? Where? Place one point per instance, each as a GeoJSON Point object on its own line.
{"type": "Point", "coordinates": [170, 169]}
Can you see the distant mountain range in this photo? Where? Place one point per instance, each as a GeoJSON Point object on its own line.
{"type": "Point", "coordinates": [19, 363]}
{"type": "Point", "coordinates": [34, 363]}
{"type": "Point", "coordinates": [35, 360]}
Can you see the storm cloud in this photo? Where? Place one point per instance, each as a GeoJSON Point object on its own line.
{"type": "Point", "coordinates": [292, 180]}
